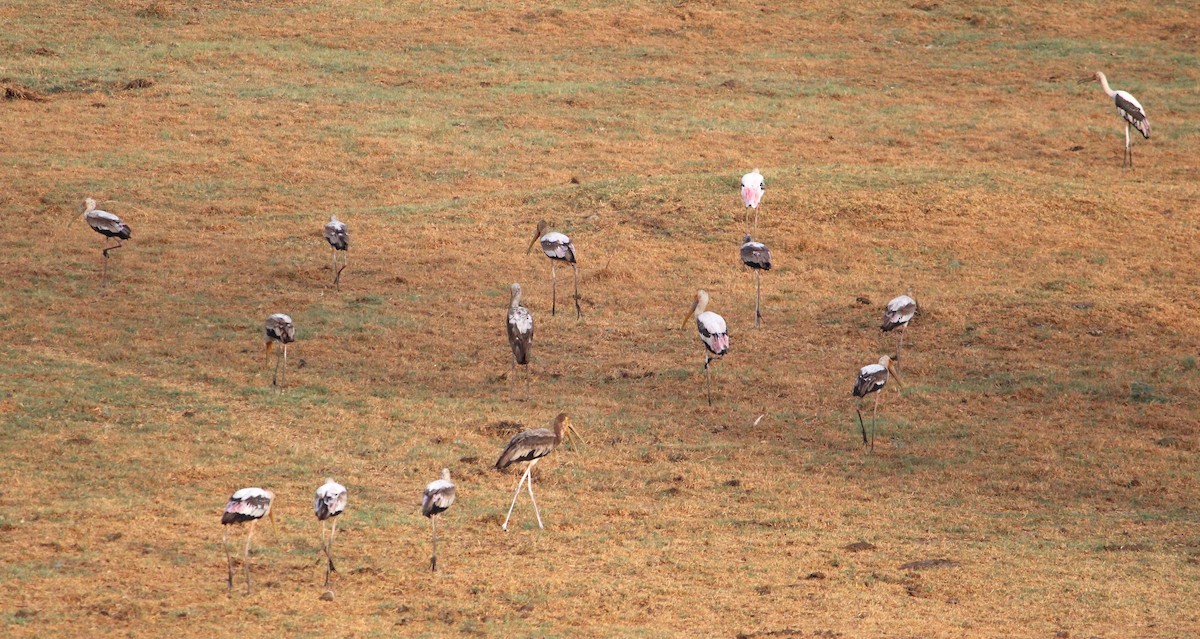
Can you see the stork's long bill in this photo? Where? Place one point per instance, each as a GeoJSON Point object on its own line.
{"type": "Point", "coordinates": [892, 371]}
{"type": "Point", "coordinates": [542, 227]}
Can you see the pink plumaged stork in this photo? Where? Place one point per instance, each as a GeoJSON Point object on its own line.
{"type": "Point", "coordinates": [713, 333]}
{"type": "Point", "coordinates": [437, 499]}
{"type": "Point", "coordinates": [871, 379]}
{"type": "Point", "coordinates": [753, 187]}
{"type": "Point", "coordinates": [1131, 111]}
{"type": "Point", "coordinates": [108, 225]}
{"type": "Point", "coordinates": [246, 505]}
{"type": "Point", "coordinates": [559, 248]}
{"type": "Point", "coordinates": [329, 502]}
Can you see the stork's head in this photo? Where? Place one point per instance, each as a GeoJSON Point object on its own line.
{"type": "Point", "coordinates": [888, 363]}
{"type": "Point", "coordinates": [698, 305]}
{"type": "Point", "coordinates": [446, 474]}
{"type": "Point", "coordinates": [89, 205]}
{"type": "Point", "coordinates": [563, 428]}
{"type": "Point", "coordinates": [746, 239]}
{"type": "Point", "coordinates": [515, 290]}
{"type": "Point", "coordinates": [542, 227]}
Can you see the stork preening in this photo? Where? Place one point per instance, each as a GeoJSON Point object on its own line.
{"type": "Point", "coordinates": [108, 225]}
{"type": "Point", "coordinates": [247, 504]}
{"type": "Point", "coordinates": [897, 314]}
{"type": "Point", "coordinates": [753, 186]}
{"type": "Point", "coordinates": [871, 379]}
{"type": "Point", "coordinates": [1131, 111]}
{"type": "Point", "coordinates": [712, 332]}
{"type": "Point", "coordinates": [757, 256]}
{"type": "Point", "coordinates": [279, 329]}
{"type": "Point", "coordinates": [338, 238]}
{"type": "Point", "coordinates": [520, 337]}
{"type": "Point", "coordinates": [558, 248]}
{"type": "Point", "coordinates": [530, 446]}
{"type": "Point", "coordinates": [329, 502]}
{"type": "Point", "coordinates": [437, 498]}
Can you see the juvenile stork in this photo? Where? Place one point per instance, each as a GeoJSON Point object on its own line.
{"type": "Point", "coordinates": [757, 256]}
{"type": "Point", "coordinates": [558, 248]}
{"type": "Point", "coordinates": [329, 502]}
{"type": "Point", "coordinates": [897, 314]}
{"type": "Point", "coordinates": [871, 379]}
{"type": "Point", "coordinates": [247, 504]}
{"type": "Point", "coordinates": [753, 186]}
{"type": "Point", "coordinates": [279, 329]}
{"type": "Point", "coordinates": [338, 238]}
{"type": "Point", "coordinates": [1131, 111]}
{"type": "Point", "coordinates": [712, 332]}
{"type": "Point", "coordinates": [437, 498]}
{"type": "Point", "coordinates": [530, 446]}
{"type": "Point", "coordinates": [108, 225]}
{"type": "Point", "coordinates": [520, 337]}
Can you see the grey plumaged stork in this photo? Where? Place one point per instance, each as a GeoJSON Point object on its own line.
{"type": "Point", "coordinates": [713, 333]}
{"type": "Point", "coordinates": [520, 337]}
{"type": "Point", "coordinates": [108, 225]}
{"type": "Point", "coordinates": [339, 239]}
{"type": "Point", "coordinates": [329, 502]}
{"type": "Point", "coordinates": [246, 505]}
{"type": "Point", "coordinates": [1131, 111]}
{"type": "Point", "coordinates": [437, 498]}
{"type": "Point", "coordinates": [279, 328]}
{"type": "Point", "coordinates": [871, 379]}
{"type": "Point", "coordinates": [558, 248]}
{"type": "Point", "coordinates": [897, 314]}
{"type": "Point", "coordinates": [753, 187]}
{"type": "Point", "coordinates": [757, 256]}
{"type": "Point", "coordinates": [530, 446]}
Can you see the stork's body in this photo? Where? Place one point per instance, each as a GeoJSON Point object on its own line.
{"type": "Point", "coordinates": [530, 446]}
{"type": "Point", "coordinates": [330, 501]}
{"type": "Point", "coordinates": [897, 314]}
{"type": "Point", "coordinates": [246, 505]}
{"type": "Point", "coordinates": [757, 256]}
{"type": "Point", "coordinates": [558, 248]}
{"type": "Point", "coordinates": [339, 239]}
{"type": "Point", "coordinates": [1131, 111]}
{"type": "Point", "coordinates": [108, 225]}
{"type": "Point", "coordinates": [871, 379]}
{"type": "Point", "coordinates": [713, 333]}
{"type": "Point", "coordinates": [437, 498]}
{"type": "Point", "coordinates": [520, 337]}
{"type": "Point", "coordinates": [279, 328]}
{"type": "Point", "coordinates": [753, 187]}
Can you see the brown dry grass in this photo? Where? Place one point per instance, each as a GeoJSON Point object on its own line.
{"type": "Point", "coordinates": [1045, 445]}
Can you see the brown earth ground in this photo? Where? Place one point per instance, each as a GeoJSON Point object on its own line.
{"type": "Point", "coordinates": [1045, 442]}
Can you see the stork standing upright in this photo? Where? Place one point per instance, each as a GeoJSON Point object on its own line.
{"type": "Point", "coordinates": [712, 332]}
{"type": "Point", "coordinates": [520, 337]}
{"type": "Point", "coordinates": [108, 225]}
{"type": "Point", "coordinates": [437, 498]}
{"type": "Point", "coordinates": [757, 256]}
{"type": "Point", "coordinates": [530, 446]}
{"type": "Point", "coordinates": [329, 502]}
{"type": "Point", "coordinates": [247, 504]}
{"type": "Point", "coordinates": [897, 314]}
{"type": "Point", "coordinates": [1131, 111]}
{"type": "Point", "coordinates": [558, 248]}
{"type": "Point", "coordinates": [871, 379]}
{"type": "Point", "coordinates": [753, 186]}
{"type": "Point", "coordinates": [279, 329]}
{"type": "Point", "coordinates": [339, 238]}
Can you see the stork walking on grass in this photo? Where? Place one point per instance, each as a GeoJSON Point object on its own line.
{"type": "Point", "coordinates": [108, 225]}
{"type": "Point", "coordinates": [279, 328]}
{"type": "Point", "coordinates": [437, 498]}
{"type": "Point", "coordinates": [520, 337]}
{"type": "Point", "coordinates": [897, 314]}
{"type": "Point", "coordinates": [1131, 111]}
{"type": "Point", "coordinates": [246, 505]}
{"type": "Point", "coordinates": [329, 502]}
{"type": "Point", "coordinates": [339, 239]}
{"type": "Point", "coordinates": [713, 333]}
{"type": "Point", "coordinates": [871, 379]}
{"type": "Point", "coordinates": [757, 256]}
{"type": "Point", "coordinates": [530, 446]}
{"type": "Point", "coordinates": [558, 248]}
{"type": "Point", "coordinates": [753, 187]}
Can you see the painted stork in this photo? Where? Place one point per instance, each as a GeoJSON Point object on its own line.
{"type": "Point", "coordinates": [530, 446]}
{"type": "Point", "coordinates": [520, 337]}
{"type": "Point", "coordinates": [329, 502]}
{"type": "Point", "coordinates": [108, 225]}
{"type": "Point", "coordinates": [558, 248]}
{"type": "Point", "coordinates": [247, 504]}
{"type": "Point", "coordinates": [1131, 111]}
{"type": "Point", "coordinates": [757, 256]}
{"type": "Point", "coordinates": [339, 239]}
{"type": "Point", "coordinates": [438, 496]}
{"type": "Point", "coordinates": [871, 379]}
{"type": "Point", "coordinates": [753, 186]}
{"type": "Point", "coordinates": [279, 329]}
{"type": "Point", "coordinates": [712, 332]}
{"type": "Point", "coordinates": [897, 314]}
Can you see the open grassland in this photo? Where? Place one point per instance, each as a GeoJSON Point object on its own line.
{"type": "Point", "coordinates": [1045, 443]}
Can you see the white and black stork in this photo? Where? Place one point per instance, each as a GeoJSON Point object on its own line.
{"type": "Point", "coordinates": [520, 337]}
{"type": "Point", "coordinates": [339, 239]}
{"type": "Point", "coordinates": [530, 446]}
{"type": "Point", "coordinates": [712, 331]}
{"type": "Point", "coordinates": [897, 314]}
{"type": "Point", "coordinates": [1131, 111]}
{"type": "Point", "coordinates": [279, 328]}
{"type": "Point", "coordinates": [757, 256]}
{"type": "Point", "coordinates": [330, 501]}
{"type": "Point", "coordinates": [437, 498]}
{"type": "Point", "coordinates": [246, 505]}
{"type": "Point", "coordinates": [558, 248]}
{"type": "Point", "coordinates": [108, 225]}
{"type": "Point", "coordinates": [871, 379]}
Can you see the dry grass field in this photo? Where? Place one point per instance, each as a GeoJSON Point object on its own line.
{"type": "Point", "coordinates": [1045, 443]}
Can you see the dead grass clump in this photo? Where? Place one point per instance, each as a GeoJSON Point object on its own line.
{"type": "Point", "coordinates": [156, 10]}
{"type": "Point", "coordinates": [138, 83]}
{"type": "Point", "coordinates": [18, 92]}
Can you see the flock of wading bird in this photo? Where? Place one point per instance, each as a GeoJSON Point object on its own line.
{"type": "Point", "coordinates": [249, 505]}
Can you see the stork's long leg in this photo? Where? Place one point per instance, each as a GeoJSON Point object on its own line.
{"type": "Point", "coordinates": [337, 277]}
{"type": "Point", "coordinates": [332, 568]}
{"type": "Point", "coordinates": [900, 344]}
{"type": "Point", "coordinates": [517, 492]}
{"type": "Point", "coordinates": [512, 378]}
{"type": "Point", "coordinates": [757, 295]}
{"type": "Point", "coordinates": [228, 557]}
{"type": "Point", "coordinates": [553, 289]}
{"type": "Point", "coordinates": [862, 425]}
{"type": "Point", "coordinates": [527, 395]}
{"type": "Point", "coordinates": [708, 378]}
{"type": "Point", "coordinates": [283, 373]}
{"type": "Point", "coordinates": [246, 559]}
{"type": "Point", "coordinates": [529, 485]}
{"type": "Point", "coordinates": [578, 311]}
{"type": "Point", "coordinates": [274, 375]}
{"type": "Point", "coordinates": [433, 560]}
{"type": "Point", "coordinates": [874, 414]}
{"type": "Point", "coordinates": [1127, 159]}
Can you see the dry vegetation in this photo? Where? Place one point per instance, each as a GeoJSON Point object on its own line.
{"type": "Point", "coordinates": [1045, 446]}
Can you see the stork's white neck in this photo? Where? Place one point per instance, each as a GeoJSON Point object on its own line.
{"type": "Point", "coordinates": [1104, 85]}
